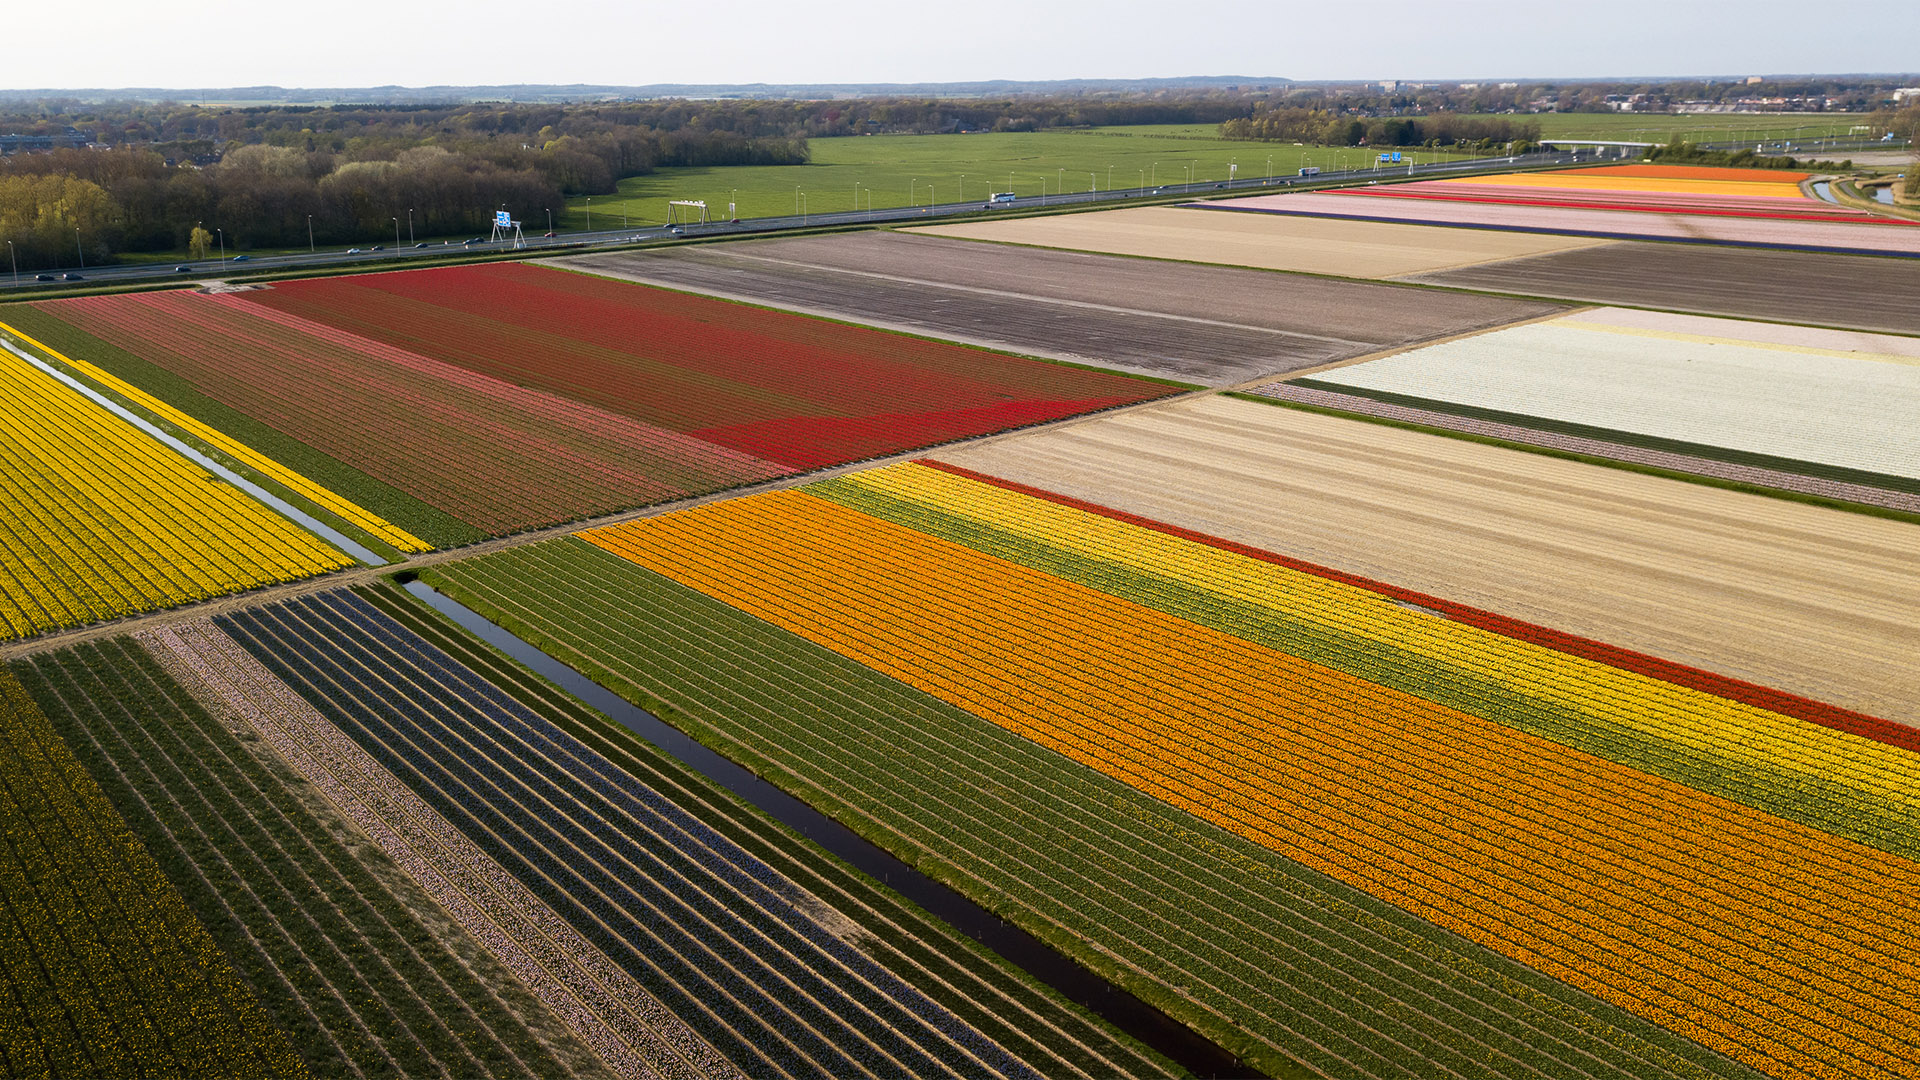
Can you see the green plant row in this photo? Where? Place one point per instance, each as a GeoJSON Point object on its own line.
{"type": "Point", "coordinates": [1608, 729]}
{"type": "Point", "coordinates": [1029, 1020]}
{"type": "Point", "coordinates": [1284, 966]}
{"type": "Point", "coordinates": [429, 523]}
{"type": "Point", "coordinates": [316, 924]}
{"type": "Point", "coordinates": [104, 971]}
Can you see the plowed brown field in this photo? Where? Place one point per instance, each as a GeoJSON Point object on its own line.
{"type": "Point", "coordinates": [1814, 601]}
{"type": "Point", "coordinates": [1269, 241]}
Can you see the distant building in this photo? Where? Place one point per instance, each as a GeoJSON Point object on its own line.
{"type": "Point", "coordinates": [1907, 93]}
{"type": "Point", "coordinates": [1752, 79]}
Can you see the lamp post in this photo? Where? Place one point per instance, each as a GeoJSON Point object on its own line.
{"type": "Point", "coordinates": [396, 233]}
{"type": "Point", "coordinates": [589, 213]}
{"type": "Point", "coordinates": [796, 200]}
{"type": "Point", "coordinates": [963, 187]}
{"type": "Point", "coordinates": [410, 225]}
{"type": "Point", "coordinates": [1153, 172]}
{"type": "Point", "coordinates": [1092, 186]}
{"type": "Point", "coordinates": [222, 233]}
{"type": "Point", "coordinates": [910, 184]}
{"type": "Point", "coordinates": [733, 211]}
{"type": "Point", "coordinates": [549, 219]}
{"type": "Point", "coordinates": [15, 257]}
{"type": "Point", "coordinates": [1143, 180]}
{"type": "Point", "coordinates": [83, 251]}
{"type": "Point", "coordinates": [310, 248]}
{"type": "Point", "coordinates": [1060, 182]}
{"type": "Point", "coordinates": [1269, 168]}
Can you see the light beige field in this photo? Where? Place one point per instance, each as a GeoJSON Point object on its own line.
{"type": "Point", "coordinates": [1365, 249]}
{"type": "Point", "coordinates": [1819, 602]}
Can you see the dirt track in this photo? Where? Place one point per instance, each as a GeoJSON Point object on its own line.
{"type": "Point", "coordinates": [1203, 324]}
{"type": "Point", "coordinates": [1795, 286]}
{"type": "Point", "coordinates": [1818, 602]}
{"type": "Point", "coordinates": [1363, 249]}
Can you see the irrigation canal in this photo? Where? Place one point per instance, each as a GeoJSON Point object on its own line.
{"type": "Point", "coordinates": [1117, 1006]}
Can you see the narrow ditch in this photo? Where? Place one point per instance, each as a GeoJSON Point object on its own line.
{"type": "Point", "coordinates": [1045, 964]}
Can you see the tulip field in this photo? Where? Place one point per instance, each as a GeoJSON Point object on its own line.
{"type": "Point", "coordinates": [1821, 403]}
{"type": "Point", "coordinates": [101, 521]}
{"type": "Point", "coordinates": [1717, 859]}
{"type": "Point", "coordinates": [478, 401]}
{"type": "Point", "coordinates": [106, 971]}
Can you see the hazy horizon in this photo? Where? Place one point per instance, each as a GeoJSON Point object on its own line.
{"type": "Point", "coordinates": [361, 44]}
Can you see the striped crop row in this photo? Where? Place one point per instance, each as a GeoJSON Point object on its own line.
{"type": "Point", "coordinates": [1752, 934]}
{"type": "Point", "coordinates": [101, 521]}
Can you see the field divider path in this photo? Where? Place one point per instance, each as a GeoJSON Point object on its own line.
{"type": "Point", "coordinates": [348, 511]}
{"type": "Point", "coordinates": [366, 575]}
{"type": "Point", "coordinates": [555, 963]}
{"type": "Point", "coordinates": [1004, 294]}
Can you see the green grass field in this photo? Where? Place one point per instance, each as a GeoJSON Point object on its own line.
{"type": "Point", "coordinates": [902, 170]}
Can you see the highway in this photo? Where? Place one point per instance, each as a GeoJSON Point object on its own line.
{"type": "Point", "coordinates": [385, 256]}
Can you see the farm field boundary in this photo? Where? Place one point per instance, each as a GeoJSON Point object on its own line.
{"type": "Point", "coordinates": [107, 970]}
{"type": "Point", "coordinates": [266, 466]}
{"type": "Point", "coordinates": [1844, 291]}
{"type": "Point", "coordinates": [1214, 325]}
{"type": "Point", "coordinates": [1055, 661]}
{"type": "Point", "coordinates": [1818, 403]}
{"type": "Point", "coordinates": [1773, 483]}
{"type": "Point", "coordinates": [1803, 598]}
{"type": "Point", "coordinates": [976, 983]}
{"type": "Point", "coordinates": [1050, 844]}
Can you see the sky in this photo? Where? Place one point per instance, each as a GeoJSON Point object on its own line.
{"type": "Point", "coordinates": [349, 43]}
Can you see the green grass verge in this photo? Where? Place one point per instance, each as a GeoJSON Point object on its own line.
{"type": "Point", "coordinates": [969, 977]}
{"type": "Point", "coordinates": [315, 921]}
{"type": "Point", "coordinates": [1287, 968]}
{"type": "Point", "coordinates": [104, 970]}
{"type": "Point", "coordinates": [430, 524]}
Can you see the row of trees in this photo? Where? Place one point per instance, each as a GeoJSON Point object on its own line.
{"type": "Point", "coordinates": [1327, 127]}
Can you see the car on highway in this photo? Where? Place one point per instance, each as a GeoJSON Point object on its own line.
{"type": "Point", "coordinates": [376, 247]}
{"type": "Point", "coordinates": [71, 277]}
{"type": "Point", "coordinates": [353, 251]}
{"type": "Point", "coordinates": [183, 269]}
{"type": "Point", "coordinates": [422, 244]}
{"type": "Point", "coordinates": [241, 258]}
{"type": "Point", "coordinates": [548, 233]}
{"type": "Point", "coordinates": [43, 277]}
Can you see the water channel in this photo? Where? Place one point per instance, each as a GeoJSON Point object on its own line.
{"type": "Point", "coordinates": [1044, 963]}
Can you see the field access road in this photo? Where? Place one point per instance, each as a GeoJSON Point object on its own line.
{"type": "Point", "coordinates": [1816, 601]}
{"type": "Point", "coordinates": [1211, 325]}
{"type": "Point", "coordinates": [193, 271]}
{"type": "Point", "coordinates": [1856, 292]}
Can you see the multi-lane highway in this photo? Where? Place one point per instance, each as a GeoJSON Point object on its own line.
{"type": "Point", "coordinates": [239, 266]}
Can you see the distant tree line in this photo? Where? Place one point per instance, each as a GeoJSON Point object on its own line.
{"type": "Point", "coordinates": [1330, 128]}
{"type": "Point", "coordinates": [1686, 153]}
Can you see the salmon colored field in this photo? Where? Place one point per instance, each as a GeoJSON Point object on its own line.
{"type": "Point", "coordinates": [1191, 672]}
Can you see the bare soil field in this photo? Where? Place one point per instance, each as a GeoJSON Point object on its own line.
{"type": "Point", "coordinates": [1202, 324]}
{"type": "Point", "coordinates": [1853, 291]}
{"type": "Point", "coordinates": [1270, 242]}
{"type": "Point", "coordinates": [1818, 602]}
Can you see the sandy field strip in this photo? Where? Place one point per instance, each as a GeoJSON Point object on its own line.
{"type": "Point", "coordinates": [1830, 397]}
{"type": "Point", "coordinates": [1315, 246]}
{"type": "Point", "coordinates": [1817, 602]}
{"type": "Point", "coordinates": [1211, 325]}
{"type": "Point", "coordinates": [1575, 444]}
{"type": "Point", "coordinates": [1793, 286]}
{"type": "Point", "coordinates": [1891, 238]}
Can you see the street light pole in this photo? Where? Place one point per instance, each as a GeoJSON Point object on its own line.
{"type": "Point", "coordinates": [222, 233]}
{"type": "Point", "coordinates": [77, 247]}
{"type": "Point", "coordinates": [396, 233]}
{"type": "Point", "coordinates": [410, 225]}
{"type": "Point", "coordinates": [549, 219]}
{"type": "Point", "coordinates": [589, 213]}
{"type": "Point", "coordinates": [15, 257]}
